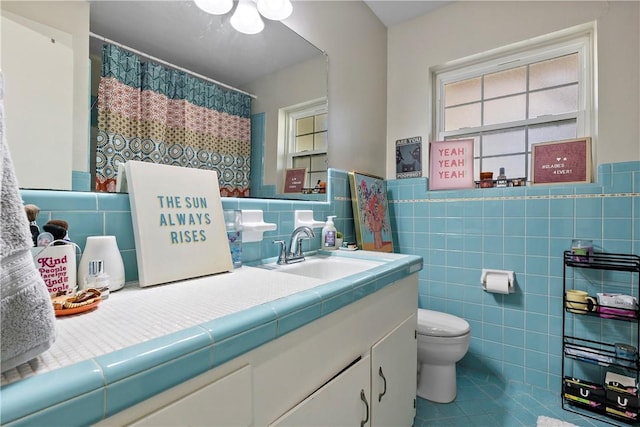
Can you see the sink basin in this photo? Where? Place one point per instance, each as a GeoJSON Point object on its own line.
{"type": "Point", "coordinates": [324, 267]}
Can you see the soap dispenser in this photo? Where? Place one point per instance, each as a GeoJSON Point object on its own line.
{"type": "Point", "coordinates": [329, 234]}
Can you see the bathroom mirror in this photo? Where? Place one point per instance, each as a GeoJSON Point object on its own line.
{"type": "Point", "coordinates": [179, 33]}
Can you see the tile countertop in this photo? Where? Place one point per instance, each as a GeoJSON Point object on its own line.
{"type": "Point", "coordinates": [154, 338]}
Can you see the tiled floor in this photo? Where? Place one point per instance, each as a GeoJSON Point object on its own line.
{"type": "Point", "coordinates": [485, 400]}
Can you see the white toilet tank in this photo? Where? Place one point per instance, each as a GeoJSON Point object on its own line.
{"type": "Point", "coordinates": [438, 324]}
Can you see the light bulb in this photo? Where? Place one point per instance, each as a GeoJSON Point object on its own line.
{"type": "Point", "coordinates": [246, 18]}
{"type": "Point", "coordinates": [276, 10]}
{"type": "Point", "coordinates": [215, 7]}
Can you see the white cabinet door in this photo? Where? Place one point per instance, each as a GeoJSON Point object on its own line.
{"type": "Point", "coordinates": [393, 376]}
{"type": "Point", "coordinates": [225, 402]}
{"type": "Point", "coordinates": [343, 401]}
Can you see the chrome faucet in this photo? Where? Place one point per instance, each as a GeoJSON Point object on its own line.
{"type": "Point", "coordinates": [295, 246]}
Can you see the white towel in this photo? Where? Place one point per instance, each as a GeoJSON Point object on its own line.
{"type": "Point", "coordinates": [552, 422]}
{"type": "Point", "coordinates": [27, 320]}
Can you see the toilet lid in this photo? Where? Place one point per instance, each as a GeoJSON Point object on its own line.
{"type": "Point", "coordinates": [438, 324]}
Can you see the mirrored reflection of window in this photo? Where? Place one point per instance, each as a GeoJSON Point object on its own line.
{"type": "Point", "coordinates": [531, 94]}
{"type": "Point", "coordinates": [306, 144]}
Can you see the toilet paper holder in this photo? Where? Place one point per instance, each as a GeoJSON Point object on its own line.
{"type": "Point", "coordinates": [510, 278]}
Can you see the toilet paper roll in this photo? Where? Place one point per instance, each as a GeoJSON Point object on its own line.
{"type": "Point", "coordinates": [497, 283]}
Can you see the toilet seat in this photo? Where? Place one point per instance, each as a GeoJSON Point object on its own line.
{"type": "Point", "coordinates": [438, 324]}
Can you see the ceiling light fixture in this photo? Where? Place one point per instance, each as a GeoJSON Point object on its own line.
{"type": "Point", "coordinates": [246, 18]}
{"type": "Point", "coordinates": [215, 7]}
{"type": "Point", "coordinates": [276, 10]}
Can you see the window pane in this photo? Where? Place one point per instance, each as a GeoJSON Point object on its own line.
{"type": "Point", "coordinates": [554, 72]}
{"type": "Point", "coordinates": [462, 117]}
{"type": "Point", "coordinates": [304, 143]}
{"type": "Point", "coordinates": [476, 142]}
{"type": "Point", "coordinates": [315, 177]}
{"type": "Point", "coordinates": [319, 162]}
{"type": "Point", "coordinates": [556, 131]}
{"type": "Point", "coordinates": [553, 101]}
{"type": "Point", "coordinates": [462, 92]}
{"type": "Point", "coordinates": [320, 141]}
{"type": "Point", "coordinates": [321, 123]}
{"type": "Point", "coordinates": [302, 162]}
{"type": "Point", "coordinates": [505, 110]}
{"type": "Point", "coordinates": [505, 82]}
{"type": "Point", "coordinates": [304, 126]}
{"type": "Point", "coordinates": [503, 143]}
{"type": "Point", "coordinates": [513, 165]}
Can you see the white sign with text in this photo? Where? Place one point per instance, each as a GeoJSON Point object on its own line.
{"type": "Point", "coordinates": [178, 222]}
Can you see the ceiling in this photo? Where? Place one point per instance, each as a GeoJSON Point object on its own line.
{"type": "Point", "coordinates": [205, 44]}
{"type": "Point", "coordinates": [392, 12]}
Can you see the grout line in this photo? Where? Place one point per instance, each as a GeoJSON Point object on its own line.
{"type": "Point", "coordinates": [531, 197]}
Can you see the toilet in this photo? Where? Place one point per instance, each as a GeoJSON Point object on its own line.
{"type": "Point", "coordinates": [443, 339]}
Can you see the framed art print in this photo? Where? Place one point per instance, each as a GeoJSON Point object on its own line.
{"type": "Point", "coordinates": [409, 157]}
{"type": "Point", "coordinates": [451, 164]}
{"type": "Point", "coordinates": [178, 224]}
{"type": "Point", "coordinates": [561, 162]}
{"type": "Point", "coordinates": [370, 212]}
{"type": "Point", "coordinates": [294, 180]}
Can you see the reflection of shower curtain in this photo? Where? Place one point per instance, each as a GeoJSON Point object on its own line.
{"type": "Point", "coordinates": [154, 114]}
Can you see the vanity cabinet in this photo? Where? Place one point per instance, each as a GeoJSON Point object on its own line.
{"type": "Point", "coordinates": [375, 390]}
{"type": "Point", "coordinates": [317, 372]}
{"type": "Point", "coordinates": [343, 401]}
{"type": "Point", "coordinates": [225, 402]}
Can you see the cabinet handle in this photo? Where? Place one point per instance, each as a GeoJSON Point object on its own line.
{"type": "Point", "coordinates": [363, 397]}
{"type": "Point", "coordinates": [385, 385]}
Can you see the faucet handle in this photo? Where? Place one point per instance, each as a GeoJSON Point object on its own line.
{"type": "Point", "coordinates": [282, 252]}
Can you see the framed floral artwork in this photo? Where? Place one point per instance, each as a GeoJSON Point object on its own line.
{"type": "Point", "coordinates": [371, 212]}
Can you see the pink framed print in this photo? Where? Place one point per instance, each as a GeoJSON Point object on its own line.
{"type": "Point", "coordinates": [451, 164]}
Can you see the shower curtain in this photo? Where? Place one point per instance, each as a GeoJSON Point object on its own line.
{"type": "Point", "coordinates": [151, 113]}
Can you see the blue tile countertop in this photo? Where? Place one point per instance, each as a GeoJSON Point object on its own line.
{"type": "Point", "coordinates": [142, 341]}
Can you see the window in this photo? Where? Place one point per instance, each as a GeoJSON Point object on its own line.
{"type": "Point", "coordinates": [537, 92]}
{"type": "Point", "coordinates": [306, 144]}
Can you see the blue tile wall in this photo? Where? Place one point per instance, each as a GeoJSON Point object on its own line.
{"type": "Point", "coordinates": [458, 233]}
{"type": "Point", "coordinates": [518, 337]}
{"type": "Point", "coordinates": [91, 214]}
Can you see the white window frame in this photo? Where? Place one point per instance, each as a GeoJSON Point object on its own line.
{"type": "Point", "coordinates": [287, 132]}
{"type": "Point", "coordinates": [578, 39]}
{"type": "Point", "coordinates": [307, 109]}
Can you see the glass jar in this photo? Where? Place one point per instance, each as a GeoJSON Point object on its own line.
{"type": "Point", "coordinates": [582, 250]}
{"type": "Point", "coordinates": [486, 179]}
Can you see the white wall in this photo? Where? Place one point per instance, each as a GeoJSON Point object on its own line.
{"type": "Point", "coordinates": [38, 101]}
{"type": "Point", "coordinates": [355, 41]}
{"type": "Point", "coordinates": [471, 27]}
{"type": "Point", "coordinates": [71, 17]}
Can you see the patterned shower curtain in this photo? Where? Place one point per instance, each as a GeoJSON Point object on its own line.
{"type": "Point", "coordinates": [150, 113]}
